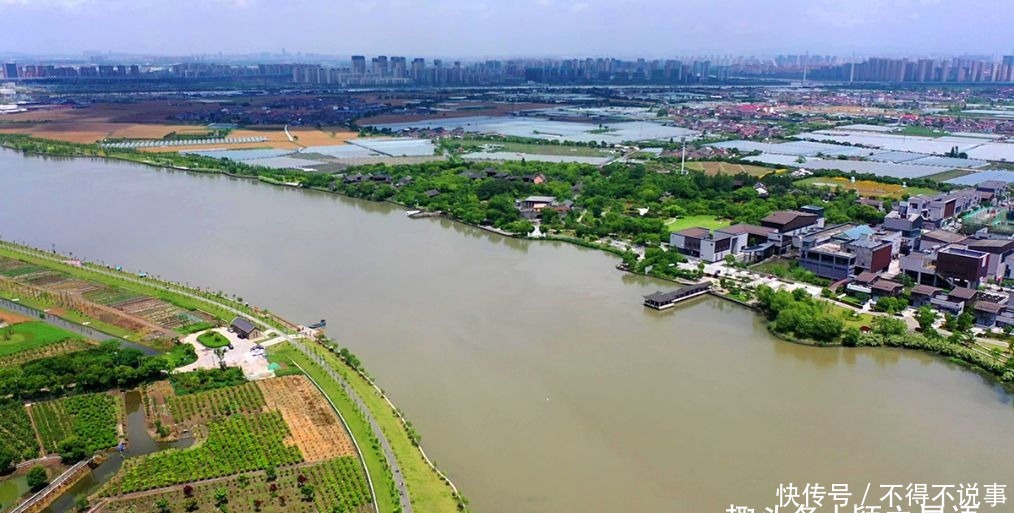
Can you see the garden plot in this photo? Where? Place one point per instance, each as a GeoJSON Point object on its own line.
{"type": "Point", "coordinates": [337, 485]}
{"type": "Point", "coordinates": [316, 429]}
{"type": "Point", "coordinates": [190, 411]}
{"type": "Point", "coordinates": [241, 443]}
{"type": "Point", "coordinates": [16, 430]}
{"type": "Point", "coordinates": [91, 418]}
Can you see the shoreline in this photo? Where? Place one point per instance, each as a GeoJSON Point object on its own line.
{"type": "Point", "coordinates": [55, 261]}
{"type": "Point", "coordinates": [551, 238]}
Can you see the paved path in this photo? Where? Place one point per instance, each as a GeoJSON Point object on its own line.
{"type": "Point", "coordinates": [392, 462]}
{"type": "Point", "coordinates": [51, 487]}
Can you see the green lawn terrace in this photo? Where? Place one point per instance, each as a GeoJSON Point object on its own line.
{"type": "Point", "coordinates": [699, 221]}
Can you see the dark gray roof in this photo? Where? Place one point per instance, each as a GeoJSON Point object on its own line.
{"type": "Point", "coordinates": [986, 306]}
{"type": "Point", "coordinates": [963, 293]}
{"type": "Point", "coordinates": [243, 324]}
{"type": "Point", "coordinates": [697, 233]}
{"type": "Point", "coordinates": [924, 290]}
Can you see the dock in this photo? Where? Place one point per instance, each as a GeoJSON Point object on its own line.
{"type": "Point", "coordinates": [662, 300]}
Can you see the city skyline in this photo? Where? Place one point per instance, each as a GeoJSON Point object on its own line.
{"type": "Point", "coordinates": [527, 28]}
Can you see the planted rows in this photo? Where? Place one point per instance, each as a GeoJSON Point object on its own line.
{"type": "Point", "coordinates": [56, 349]}
{"type": "Point", "coordinates": [335, 486]}
{"type": "Point", "coordinates": [217, 403]}
{"type": "Point", "coordinates": [91, 419]}
{"type": "Point", "coordinates": [16, 431]}
{"type": "Point", "coordinates": [234, 445]}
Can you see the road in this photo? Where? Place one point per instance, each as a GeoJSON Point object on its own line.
{"type": "Point", "coordinates": [392, 462]}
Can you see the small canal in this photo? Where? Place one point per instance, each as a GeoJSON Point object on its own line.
{"type": "Point", "coordinates": [139, 443]}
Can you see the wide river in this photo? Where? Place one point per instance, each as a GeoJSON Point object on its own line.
{"type": "Point", "coordinates": [537, 379]}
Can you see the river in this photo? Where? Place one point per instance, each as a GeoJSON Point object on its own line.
{"type": "Point", "coordinates": [537, 379]}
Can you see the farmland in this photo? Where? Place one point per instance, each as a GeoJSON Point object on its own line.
{"type": "Point", "coordinates": [709, 222]}
{"type": "Point", "coordinates": [29, 336]}
{"type": "Point", "coordinates": [317, 430]}
{"type": "Point", "coordinates": [728, 168]}
{"type": "Point", "coordinates": [91, 418]}
{"type": "Point", "coordinates": [338, 485]}
{"type": "Point", "coordinates": [234, 445]}
{"type": "Point", "coordinates": [16, 431]}
{"type": "Point", "coordinates": [126, 309]}
{"type": "Point", "coordinates": [192, 410]}
{"type": "Point", "coordinates": [69, 345]}
{"type": "Point", "coordinates": [865, 188]}
{"type": "Point", "coordinates": [469, 145]}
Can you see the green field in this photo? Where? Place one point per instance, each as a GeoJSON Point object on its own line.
{"type": "Point", "coordinates": [709, 222]}
{"type": "Point", "coordinates": [16, 431]}
{"type": "Point", "coordinates": [27, 336]}
{"type": "Point", "coordinates": [91, 418]}
{"type": "Point", "coordinates": [234, 445]}
{"type": "Point", "coordinates": [212, 339]}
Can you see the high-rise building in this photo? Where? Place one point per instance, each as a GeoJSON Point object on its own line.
{"type": "Point", "coordinates": [380, 66]}
{"type": "Point", "coordinates": [358, 65]}
{"type": "Point", "coordinates": [10, 70]}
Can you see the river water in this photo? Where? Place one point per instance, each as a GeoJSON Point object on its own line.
{"type": "Point", "coordinates": [537, 379]}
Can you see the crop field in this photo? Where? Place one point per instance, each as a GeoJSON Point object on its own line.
{"type": "Point", "coordinates": [134, 305]}
{"type": "Point", "coordinates": [728, 168]}
{"type": "Point", "coordinates": [316, 429]}
{"type": "Point", "coordinates": [537, 149]}
{"type": "Point", "coordinates": [16, 430]}
{"type": "Point", "coordinates": [234, 445]}
{"type": "Point", "coordinates": [29, 336]}
{"type": "Point", "coordinates": [55, 349]}
{"type": "Point", "coordinates": [866, 188]}
{"type": "Point", "coordinates": [93, 418]}
{"type": "Point", "coordinates": [702, 221]}
{"type": "Point", "coordinates": [192, 410]}
{"type": "Point", "coordinates": [338, 485]}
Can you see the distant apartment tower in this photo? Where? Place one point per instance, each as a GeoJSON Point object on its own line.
{"type": "Point", "coordinates": [358, 65]}
{"type": "Point", "coordinates": [10, 70]}
{"type": "Point", "coordinates": [380, 66]}
{"type": "Point", "coordinates": [398, 67]}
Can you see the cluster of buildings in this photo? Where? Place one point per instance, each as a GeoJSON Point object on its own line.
{"type": "Point", "coordinates": [921, 70]}
{"type": "Point", "coordinates": [14, 71]}
{"type": "Point", "coordinates": [917, 240]}
{"type": "Point", "coordinates": [384, 70]}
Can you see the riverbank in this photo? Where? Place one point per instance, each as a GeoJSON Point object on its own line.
{"type": "Point", "coordinates": [436, 493]}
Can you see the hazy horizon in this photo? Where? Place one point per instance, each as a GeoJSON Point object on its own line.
{"type": "Point", "coordinates": [521, 28]}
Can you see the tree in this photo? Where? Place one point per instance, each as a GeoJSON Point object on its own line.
{"type": "Point", "coordinates": [964, 322]}
{"type": "Point", "coordinates": [162, 505]}
{"type": "Point", "coordinates": [192, 505]}
{"type": "Point", "coordinates": [81, 503]}
{"type": "Point", "coordinates": [926, 316]}
{"type": "Point", "coordinates": [889, 326]}
{"type": "Point", "coordinates": [6, 460]}
{"type": "Point", "coordinates": [221, 496]}
{"type": "Point", "coordinates": [851, 337]}
{"type": "Point", "coordinates": [37, 478]}
{"type": "Point", "coordinates": [188, 491]}
{"type": "Point", "coordinates": [270, 473]}
{"type": "Point", "coordinates": [307, 492]}
{"type": "Point", "coordinates": [72, 449]}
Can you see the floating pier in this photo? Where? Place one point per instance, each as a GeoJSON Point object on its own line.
{"type": "Point", "coordinates": [662, 300]}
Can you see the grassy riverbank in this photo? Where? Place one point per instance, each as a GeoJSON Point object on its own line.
{"type": "Point", "coordinates": [427, 489]}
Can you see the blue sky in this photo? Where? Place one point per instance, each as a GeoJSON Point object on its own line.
{"type": "Point", "coordinates": [479, 28]}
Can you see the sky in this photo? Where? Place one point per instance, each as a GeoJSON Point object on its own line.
{"type": "Point", "coordinates": [510, 28]}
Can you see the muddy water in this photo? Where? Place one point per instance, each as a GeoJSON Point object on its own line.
{"type": "Point", "coordinates": [537, 379]}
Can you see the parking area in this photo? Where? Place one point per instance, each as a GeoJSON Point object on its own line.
{"type": "Point", "coordinates": [245, 354]}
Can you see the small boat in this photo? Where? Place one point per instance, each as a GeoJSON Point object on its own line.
{"type": "Point", "coordinates": [318, 325]}
{"type": "Point", "coordinates": [411, 213]}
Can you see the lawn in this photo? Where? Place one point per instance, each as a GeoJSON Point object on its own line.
{"type": "Point", "coordinates": [212, 339]}
{"type": "Point", "coordinates": [949, 175]}
{"type": "Point", "coordinates": [867, 188]}
{"type": "Point", "coordinates": [27, 336]}
{"type": "Point", "coordinates": [703, 221]}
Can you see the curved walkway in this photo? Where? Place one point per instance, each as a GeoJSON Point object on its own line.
{"type": "Point", "coordinates": [392, 462]}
